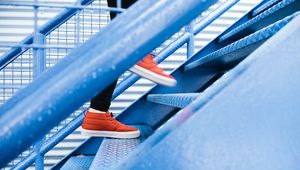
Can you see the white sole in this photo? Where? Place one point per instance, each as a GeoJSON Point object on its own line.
{"type": "Point", "coordinates": [110, 134]}
{"type": "Point", "coordinates": [152, 76]}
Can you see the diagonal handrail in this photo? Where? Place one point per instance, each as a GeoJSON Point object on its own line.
{"type": "Point", "coordinates": [71, 82]}
{"type": "Point", "coordinates": [127, 82]}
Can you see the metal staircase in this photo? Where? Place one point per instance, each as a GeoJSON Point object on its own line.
{"type": "Point", "coordinates": [217, 116]}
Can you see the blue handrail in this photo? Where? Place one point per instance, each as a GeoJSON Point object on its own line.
{"type": "Point", "coordinates": [71, 82]}
{"type": "Point", "coordinates": [127, 82]}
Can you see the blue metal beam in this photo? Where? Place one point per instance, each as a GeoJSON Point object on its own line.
{"type": "Point", "coordinates": [168, 51]}
{"type": "Point", "coordinates": [264, 6]}
{"type": "Point", "coordinates": [75, 79]}
{"type": "Point", "coordinates": [51, 142]}
{"type": "Point", "coordinates": [45, 29]}
{"type": "Point", "coordinates": [45, 5]}
{"type": "Point", "coordinates": [76, 122]}
{"type": "Point", "coordinates": [276, 12]}
{"type": "Point", "coordinates": [215, 44]}
{"type": "Point", "coordinates": [235, 52]}
{"type": "Point", "coordinates": [250, 123]}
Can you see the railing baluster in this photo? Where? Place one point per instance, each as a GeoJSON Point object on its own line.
{"type": "Point", "coordinates": [39, 55]}
{"type": "Point", "coordinates": [39, 159]}
{"type": "Point", "coordinates": [39, 64]}
{"type": "Point", "coordinates": [191, 42]}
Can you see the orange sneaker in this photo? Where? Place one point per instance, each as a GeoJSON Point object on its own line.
{"type": "Point", "coordinates": [148, 69]}
{"type": "Point", "coordinates": [104, 125]}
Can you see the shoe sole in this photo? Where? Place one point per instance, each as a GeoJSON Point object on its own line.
{"type": "Point", "coordinates": [110, 134]}
{"type": "Point", "coordinates": [152, 76]}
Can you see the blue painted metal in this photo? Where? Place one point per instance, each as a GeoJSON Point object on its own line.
{"type": "Point", "coordinates": [216, 45]}
{"type": "Point", "coordinates": [236, 128]}
{"type": "Point", "coordinates": [169, 50]}
{"type": "Point", "coordinates": [166, 52]}
{"type": "Point", "coordinates": [180, 100]}
{"type": "Point", "coordinates": [175, 122]}
{"type": "Point", "coordinates": [81, 162]}
{"type": "Point", "coordinates": [51, 142]}
{"type": "Point", "coordinates": [203, 23]}
{"type": "Point", "coordinates": [263, 7]}
{"type": "Point", "coordinates": [278, 11]}
{"type": "Point", "coordinates": [37, 46]}
{"type": "Point", "coordinates": [39, 158]}
{"type": "Point", "coordinates": [240, 49]}
{"type": "Point", "coordinates": [191, 42]}
{"type": "Point", "coordinates": [112, 151]}
{"type": "Point", "coordinates": [173, 47]}
{"type": "Point", "coordinates": [45, 29]}
{"type": "Point", "coordinates": [121, 87]}
{"type": "Point", "coordinates": [129, 116]}
{"type": "Point", "coordinates": [189, 82]}
{"type": "Point", "coordinates": [45, 5]}
{"type": "Point", "coordinates": [218, 8]}
{"type": "Point", "coordinates": [39, 65]}
{"type": "Point", "coordinates": [61, 95]}
{"type": "Point", "coordinates": [90, 149]}
{"type": "Point", "coordinates": [180, 40]}
{"type": "Point", "coordinates": [119, 5]}
{"type": "Point", "coordinates": [39, 56]}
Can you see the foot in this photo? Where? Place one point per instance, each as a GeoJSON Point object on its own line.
{"type": "Point", "coordinates": [104, 125]}
{"type": "Point", "coordinates": [148, 69]}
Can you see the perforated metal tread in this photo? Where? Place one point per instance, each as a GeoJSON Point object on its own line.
{"type": "Point", "coordinates": [257, 18]}
{"type": "Point", "coordinates": [177, 100]}
{"type": "Point", "coordinates": [112, 151]}
{"type": "Point", "coordinates": [78, 162]}
{"type": "Point", "coordinates": [240, 49]}
{"type": "Point", "coordinates": [264, 6]}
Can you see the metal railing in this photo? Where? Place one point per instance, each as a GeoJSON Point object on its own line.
{"type": "Point", "coordinates": [34, 52]}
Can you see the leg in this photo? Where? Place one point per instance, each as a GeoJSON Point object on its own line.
{"type": "Point", "coordinates": [147, 67]}
{"type": "Point", "coordinates": [125, 4]}
{"type": "Point", "coordinates": [98, 121]}
{"type": "Point", "coordinates": [103, 100]}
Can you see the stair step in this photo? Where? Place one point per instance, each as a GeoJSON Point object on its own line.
{"type": "Point", "coordinates": [78, 162]}
{"type": "Point", "coordinates": [263, 7]}
{"type": "Point", "coordinates": [235, 52]}
{"type": "Point", "coordinates": [179, 100]}
{"type": "Point", "coordinates": [279, 10]}
{"type": "Point", "coordinates": [111, 150]}
{"type": "Point", "coordinates": [234, 129]}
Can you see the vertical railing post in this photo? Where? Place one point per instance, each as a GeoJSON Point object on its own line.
{"type": "Point", "coordinates": [39, 55]}
{"type": "Point", "coordinates": [39, 160]}
{"type": "Point", "coordinates": [39, 64]}
{"type": "Point", "coordinates": [191, 42]}
{"type": "Point", "coordinates": [119, 5]}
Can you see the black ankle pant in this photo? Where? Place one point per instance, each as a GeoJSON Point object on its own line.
{"type": "Point", "coordinates": [103, 100]}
